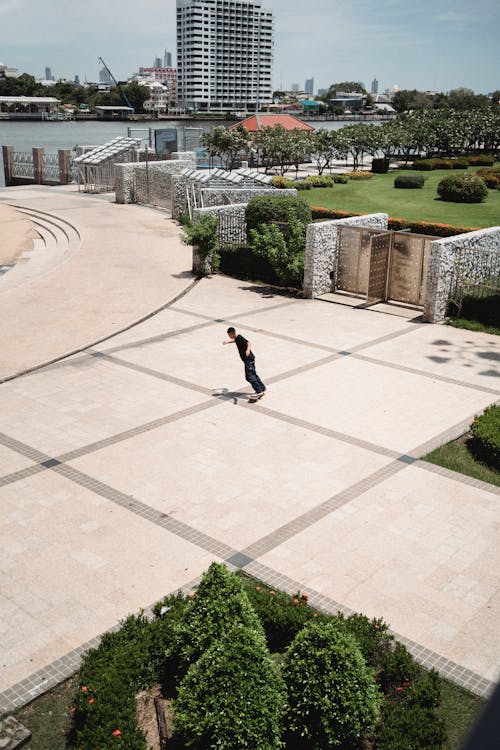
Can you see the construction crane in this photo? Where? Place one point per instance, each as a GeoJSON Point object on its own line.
{"type": "Point", "coordinates": [122, 93]}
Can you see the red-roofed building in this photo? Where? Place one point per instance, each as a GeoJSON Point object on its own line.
{"type": "Point", "coordinates": [258, 122]}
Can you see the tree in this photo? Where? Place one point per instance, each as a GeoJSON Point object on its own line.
{"type": "Point", "coordinates": [358, 140]}
{"type": "Point", "coordinates": [226, 144]}
{"type": "Point", "coordinates": [324, 147]}
{"type": "Point", "coordinates": [346, 86]}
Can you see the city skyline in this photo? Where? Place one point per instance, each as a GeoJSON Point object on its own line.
{"type": "Point", "coordinates": [420, 46]}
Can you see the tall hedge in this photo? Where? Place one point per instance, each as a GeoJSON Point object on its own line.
{"type": "Point", "coordinates": [332, 695]}
{"type": "Point", "coordinates": [232, 697]}
{"type": "Point", "coordinates": [463, 188]}
{"type": "Point", "coordinates": [277, 209]}
{"type": "Point", "coordinates": [218, 604]}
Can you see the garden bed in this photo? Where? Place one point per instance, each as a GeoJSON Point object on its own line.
{"type": "Point", "coordinates": [179, 646]}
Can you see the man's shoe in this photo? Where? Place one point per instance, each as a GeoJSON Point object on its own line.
{"type": "Point", "coordinates": [262, 393]}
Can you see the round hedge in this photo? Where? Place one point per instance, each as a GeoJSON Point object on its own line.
{"type": "Point", "coordinates": [464, 188]}
{"type": "Point", "coordinates": [276, 209]}
{"type": "Point", "coordinates": [486, 436]}
{"type": "Point", "coordinates": [332, 697]}
{"type": "Point", "coordinates": [233, 696]}
{"type": "Point", "coordinates": [410, 181]}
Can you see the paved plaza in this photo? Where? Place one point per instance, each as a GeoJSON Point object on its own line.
{"type": "Point", "coordinates": [127, 468]}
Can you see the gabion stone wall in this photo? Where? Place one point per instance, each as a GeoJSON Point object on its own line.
{"type": "Point", "coordinates": [151, 184]}
{"type": "Point", "coordinates": [471, 257]}
{"type": "Point", "coordinates": [185, 156]}
{"type": "Point", "coordinates": [322, 244]}
{"type": "Point", "coordinates": [232, 226]}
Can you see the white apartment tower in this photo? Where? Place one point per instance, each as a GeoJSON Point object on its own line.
{"type": "Point", "coordinates": [224, 55]}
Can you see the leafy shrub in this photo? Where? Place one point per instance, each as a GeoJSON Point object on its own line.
{"type": "Point", "coordinates": [109, 678]}
{"type": "Point", "coordinates": [443, 164]}
{"type": "Point", "coordinates": [233, 696]}
{"type": "Point", "coordinates": [282, 616]}
{"type": "Point", "coordinates": [424, 165]}
{"type": "Point", "coordinates": [411, 181]}
{"type": "Point", "coordinates": [482, 160]}
{"type": "Point", "coordinates": [285, 255]}
{"type": "Point", "coordinates": [491, 176]}
{"type": "Point", "coordinates": [333, 699]}
{"type": "Point", "coordinates": [243, 263]}
{"type": "Point", "coordinates": [276, 209]}
{"type": "Point", "coordinates": [319, 180]}
{"type": "Point", "coordinates": [380, 166]}
{"type": "Point", "coordinates": [360, 175]}
{"type": "Point", "coordinates": [218, 604]}
{"type": "Point", "coordinates": [419, 227]}
{"type": "Point", "coordinates": [203, 235]}
{"type": "Point", "coordinates": [486, 436]}
{"type": "Point", "coordinates": [282, 183]}
{"type": "Point", "coordinates": [460, 164]}
{"type": "Point", "coordinates": [411, 719]}
{"type": "Point", "coordinates": [463, 188]}
{"type": "Point", "coordinates": [340, 179]}
{"type": "Point", "coordinates": [302, 184]}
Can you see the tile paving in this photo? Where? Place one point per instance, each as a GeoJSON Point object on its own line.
{"type": "Point", "coordinates": [122, 477]}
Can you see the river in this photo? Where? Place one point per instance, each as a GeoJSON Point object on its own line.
{"type": "Point", "coordinates": [53, 135]}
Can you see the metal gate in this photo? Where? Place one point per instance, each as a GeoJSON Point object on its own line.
{"type": "Point", "coordinates": [383, 265]}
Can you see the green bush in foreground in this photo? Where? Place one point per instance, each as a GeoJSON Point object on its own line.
{"type": "Point", "coordinates": [464, 188]}
{"type": "Point", "coordinates": [284, 253]}
{"type": "Point", "coordinates": [277, 209]}
{"type": "Point", "coordinates": [486, 436]}
{"type": "Point", "coordinates": [233, 697]}
{"type": "Point", "coordinates": [411, 181]}
{"type": "Point", "coordinates": [218, 605]}
{"type": "Point", "coordinates": [333, 699]}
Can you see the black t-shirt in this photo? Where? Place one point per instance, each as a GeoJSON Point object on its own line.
{"type": "Point", "coordinates": [242, 343]}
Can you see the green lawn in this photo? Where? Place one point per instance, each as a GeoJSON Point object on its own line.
{"type": "Point", "coordinates": [379, 194]}
{"type": "Point", "coordinates": [457, 457]}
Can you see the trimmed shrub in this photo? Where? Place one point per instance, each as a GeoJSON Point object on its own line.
{"type": "Point", "coordinates": [360, 175]}
{"type": "Point", "coordinates": [233, 697]}
{"type": "Point", "coordinates": [285, 254]}
{"type": "Point", "coordinates": [424, 165]}
{"type": "Point", "coordinates": [276, 209]}
{"type": "Point", "coordinates": [282, 616]}
{"type": "Point", "coordinates": [302, 184]}
{"type": "Point", "coordinates": [465, 188]}
{"type": "Point", "coordinates": [443, 164]}
{"type": "Point", "coordinates": [340, 179]}
{"type": "Point", "coordinates": [481, 160]}
{"type": "Point", "coordinates": [490, 177]}
{"type": "Point", "coordinates": [319, 180]}
{"type": "Point", "coordinates": [485, 441]}
{"type": "Point", "coordinates": [410, 719]}
{"type": "Point", "coordinates": [218, 604]}
{"type": "Point", "coordinates": [380, 166]}
{"type": "Point", "coordinates": [419, 227]}
{"type": "Point", "coordinates": [460, 164]}
{"type": "Point", "coordinates": [333, 699]}
{"type": "Point", "coordinates": [282, 183]}
{"type": "Point", "coordinates": [411, 181]}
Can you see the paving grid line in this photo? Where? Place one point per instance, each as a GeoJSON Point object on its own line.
{"type": "Point", "coordinates": [67, 665]}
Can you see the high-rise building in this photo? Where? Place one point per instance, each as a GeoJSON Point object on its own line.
{"type": "Point", "coordinates": [48, 74]}
{"type": "Point", "coordinates": [167, 59]}
{"type": "Point", "coordinates": [224, 54]}
{"type": "Point", "coordinates": [104, 76]}
{"type": "Point", "coordinates": [77, 80]}
{"type": "Point", "coordinates": [294, 88]}
{"type": "Point", "coordinates": [374, 86]}
{"type": "Point", "coordinates": [158, 63]}
{"type": "Point", "coordinates": [309, 86]}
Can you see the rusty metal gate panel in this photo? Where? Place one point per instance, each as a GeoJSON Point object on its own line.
{"type": "Point", "coordinates": [408, 268]}
{"type": "Point", "coordinates": [353, 265]}
{"type": "Point", "coordinates": [379, 266]}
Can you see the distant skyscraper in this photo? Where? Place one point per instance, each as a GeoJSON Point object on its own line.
{"type": "Point", "coordinates": [158, 63]}
{"type": "Point", "coordinates": [48, 74]}
{"type": "Point", "coordinates": [104, 76]}
{"type": "Point", "coordinates": [295, 88]}
{"type": "Point", "coordinates": [309, 87]}
{"type": "Point", "coordinates": [322, 92]}
{"type": "Point", "coordinates": [167, 59]}
{"type": "Point", "coordinates": [374, 86]}
{"type": "Point", "coordinates": [224, 54]}
{"type": "Point", "coordinates": [77, 79]}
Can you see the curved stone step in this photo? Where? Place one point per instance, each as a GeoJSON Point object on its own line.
{"type": "Point", "coordinates": [57, 239]}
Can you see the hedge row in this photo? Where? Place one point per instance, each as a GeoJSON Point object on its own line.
{"type": "Point", "coordinates": [229, 692]}
{"type": "Point", "coordinates": [461, 162]}
{"type": "Point", "coordinates": [485, 441]}
{"type": "Point", "coordinates": [419, 227]}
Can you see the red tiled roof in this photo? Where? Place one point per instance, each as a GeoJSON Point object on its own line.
{"type": "Point", "coordinates": [289, 122]}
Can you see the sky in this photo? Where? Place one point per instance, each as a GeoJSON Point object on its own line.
{"type": "Point", "coordinates": [423, 44]}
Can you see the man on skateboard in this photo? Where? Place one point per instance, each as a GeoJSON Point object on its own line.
{"type": "Point", "coordinates": [248, 359]}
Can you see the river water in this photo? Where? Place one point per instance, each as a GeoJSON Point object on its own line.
{"type": "Point", "coordinates": [53, 135]}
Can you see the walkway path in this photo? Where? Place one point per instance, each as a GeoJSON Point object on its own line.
{"type": "Point", "coordinates": [122, 477]}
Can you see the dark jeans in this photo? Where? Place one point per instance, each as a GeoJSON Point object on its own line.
{"type": "Point", "coordinates": [252, 377]}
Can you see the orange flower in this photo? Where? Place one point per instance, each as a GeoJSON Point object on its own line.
{"type": "Point", "coordinates": [116, 733]}
{"type": "Point", "coordinates": [295, 601]}
{"type": "Point", "coordinates": [399, 689]}
{"type": "Point", "coordinates": [91, 701]}
{"type": "Point", "coordinates": [315, 614]}
{"type": "Point", "coordinates": [257, 588]}
{"type": "Point", "coordinates": [85, 689]}
{"type": "Point", "coordinates": [272, 593]}
{"type": "Point", "coordinates": [72, 709]}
